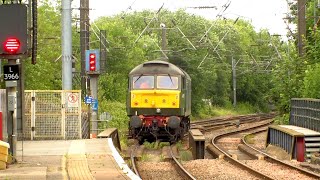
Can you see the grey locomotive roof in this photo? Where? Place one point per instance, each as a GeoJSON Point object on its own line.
{"type": "Point", "coordinates": [158, 67]}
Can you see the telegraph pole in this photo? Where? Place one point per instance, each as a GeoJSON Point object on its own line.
{"type": "Point", "coordinates": [301, 26]}
{"type": "Point", "coordinates": [84, 40]}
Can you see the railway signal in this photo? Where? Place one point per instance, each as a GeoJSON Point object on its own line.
{"type": "Point", "coordinates": [13, 31]}
{"type": "Point", "coordinates": [11, 45]}
{"type": "Point", "coordinates": [93, 61]}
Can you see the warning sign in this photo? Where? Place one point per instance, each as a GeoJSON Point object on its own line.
{"type": "Point", "coordinates": [73, 99]}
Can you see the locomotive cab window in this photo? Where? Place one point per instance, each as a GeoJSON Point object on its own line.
{"type": "Point", "coordinates": [143, 82]}
{"type": "Point", "coordinates": [167, 82]}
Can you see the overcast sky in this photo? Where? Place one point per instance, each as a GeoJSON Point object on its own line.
{"type": "Point", "coordinates": [267, 14]}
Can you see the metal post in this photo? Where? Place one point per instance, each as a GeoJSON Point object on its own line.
{"type": "Point", "coordinates": [234, 83]}
{"type": "Point", "coordinates": [12, 116]}
{"type": "Point", "coordinates": [89, 106]}
{"type": "Point", "coordinates": [103, 51]}
{"type": "Point", "coordinates": [94, 93]}
{"type": "Point", "coordinates": [301, 26]}
{"type": "Point", "coordinates": [20, 101]}
{"type": "Point", "coordinates": [164, 41]}
{"type": "Point", "coordinates": [66, 46]}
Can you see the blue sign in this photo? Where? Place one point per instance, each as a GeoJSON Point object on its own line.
{"type": "Point", "coordinates": [95, 104]}
{"type": "Point", "coordinates": [88, 100]}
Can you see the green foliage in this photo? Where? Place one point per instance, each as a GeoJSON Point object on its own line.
{"type": "Point", "coordinates": [119, 117]}
{"type": "Point", "coordinates": [249, 138]}
{"type": "Point", "coordinates": [49, 49]}
{"type": "Point", "coordinates": [216, 111]}
{"type": "Point", "coordinates": [155, 145]}
{"type": "Point", "coordinates": [312, 82]}
{"type": "Point", "coordinates": [282, 119]}
{"type": "Point", "coordinates": [150, 145]}
{"type": "Point", "coordinates": [186, 155]}
{"type": "Point", "coordinates": [163, 144]}
{"type": "Point", "coordinates": [146, 157]}
{"type": "Point", "coordinates": [207, 59]}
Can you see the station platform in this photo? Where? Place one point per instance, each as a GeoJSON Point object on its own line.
{"type": "Point", "coordinates": [68, 159]}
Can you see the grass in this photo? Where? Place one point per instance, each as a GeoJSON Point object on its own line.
{"type": "Point", "coordinates": [149, 145]}
{"type": "Point", "coordinates": [185, 155]}
{"type": "Point", "coordinates": [250, 139]}
{"type": "Point", "coordinates": [229, 110]}
{"type": "Point", "coordinates": [145, 157]}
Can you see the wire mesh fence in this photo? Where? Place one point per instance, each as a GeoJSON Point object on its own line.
{"type": "Point", "coordinates": [305, 113]}
{"type": "Point", "coordinates": [52, 115]}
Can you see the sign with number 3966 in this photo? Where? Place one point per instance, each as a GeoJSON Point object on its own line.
{"type": "Point", "coordinates": [11, 72]}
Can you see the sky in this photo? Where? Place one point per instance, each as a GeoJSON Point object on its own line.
{"type": "Point", "coordinates": [266, 14]}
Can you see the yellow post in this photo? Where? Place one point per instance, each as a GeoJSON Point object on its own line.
{"type": "Point", "coordinates": [4, 151]}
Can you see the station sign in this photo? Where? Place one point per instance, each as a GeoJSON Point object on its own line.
{"type": "Point", "coordinates": [88, 100]}
{"type": "Point", "coordinates": [95, 104]}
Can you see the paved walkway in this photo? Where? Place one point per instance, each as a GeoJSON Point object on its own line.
{"type": "Point", "coordinates": [72, 159]}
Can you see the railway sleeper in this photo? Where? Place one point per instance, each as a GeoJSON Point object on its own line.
{"type": "Point", "coordinates": [138, 152]}
{"type": "Point", "coordinates": [216, 153]}
{"type": "Point", "coordinates": [250, 152]}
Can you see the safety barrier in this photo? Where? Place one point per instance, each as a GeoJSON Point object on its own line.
{"type": "Point", "coordinates": [113, 134]}
{"type": "Point", "coordinates": [305, 113]}
{"type": "Point", "coordinates": [298, 142]}
{"type": "Point", "coordinates": [196, 142]}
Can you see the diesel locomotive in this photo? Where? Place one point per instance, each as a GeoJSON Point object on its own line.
{"type": "Point", "coordinates": [158, 102]}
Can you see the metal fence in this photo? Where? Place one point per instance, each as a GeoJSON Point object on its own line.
{"type": "Point", "coordinates": [305, 113]}
{"type": "Point", "coordinates": [52, 114]}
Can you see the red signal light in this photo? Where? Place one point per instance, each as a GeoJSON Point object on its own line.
{"type": "Point", "coordinates": [92, 62]}
{"type": "Point", "coordinates": [11, 45]}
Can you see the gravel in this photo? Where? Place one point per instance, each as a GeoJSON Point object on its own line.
{"type": "Point", "coordinates": [215, 169]}
{"type": "Point", "coordinates": [275, 170]}
{"type": "Point", "coordinates": [209, 168]}
{"type": "Point", "coordinates": [158, 170]}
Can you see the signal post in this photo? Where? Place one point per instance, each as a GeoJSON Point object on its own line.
{"type": "Point", "coordinates": [14, 47]}
{"type": "Point", "coordinates": [93, 71]}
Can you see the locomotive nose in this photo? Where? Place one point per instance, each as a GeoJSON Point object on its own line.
{"type": "Point", "coordinates": [173, 122]}
{"type": "Point", "coordinates": [135, 122]}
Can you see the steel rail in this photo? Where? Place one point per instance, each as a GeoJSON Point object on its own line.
{"type": "Point", "coordinates": [270, 158]}
{"type": "Point", "coordinates": [133, 161]}
{"type": "Point", "coordinates": [234, 161]}
{"type": "Point", "coordinates": [183, 171]}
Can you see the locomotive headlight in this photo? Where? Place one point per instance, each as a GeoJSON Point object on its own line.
{"type": "Point", "coordinates": [158, 110]}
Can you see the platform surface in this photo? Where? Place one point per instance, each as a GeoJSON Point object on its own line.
{"type": "Point", "coordinates": [64, 159]}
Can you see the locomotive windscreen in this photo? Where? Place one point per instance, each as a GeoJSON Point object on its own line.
{"type": "Point", "coordinates": [155, 64]}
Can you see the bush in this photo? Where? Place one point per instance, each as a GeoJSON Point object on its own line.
{"type": "Point", "coordinates": [119, 118]}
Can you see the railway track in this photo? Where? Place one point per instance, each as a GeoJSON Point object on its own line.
{"type": "Point", "coordinates": [249, 161]}
{"type": "Point", "coordinates": [181, 171]}
{"type": "Point", "coordinates": [273, 160]}
{"type": "Point", "coordinates": [218, 123]}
